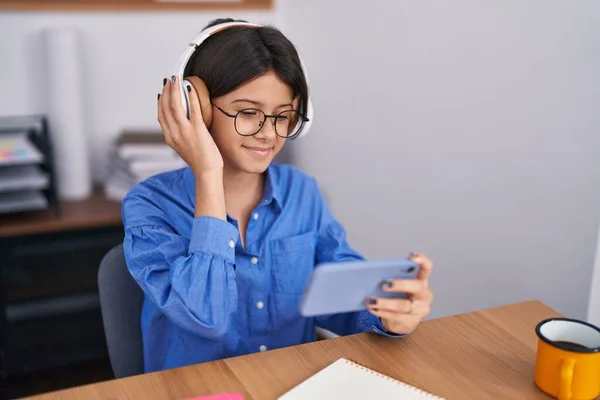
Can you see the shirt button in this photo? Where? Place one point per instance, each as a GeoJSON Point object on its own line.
{"type": "Point", "coordinates": [263, 348]}
{"type": "Point", "coordinates": [255, 216]}
{"type": "Point", "coordinates": [254, 260]}
{"type": "Point", "coordinates": [231, 244]}
{"type": "Point", "coordinates": [260, 305]}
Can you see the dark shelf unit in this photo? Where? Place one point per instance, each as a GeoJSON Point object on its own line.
{"type": "Point", "coordinates": [50, 312]}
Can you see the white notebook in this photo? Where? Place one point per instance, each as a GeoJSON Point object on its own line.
{"type": "Point", "coordinates": [347, 380]}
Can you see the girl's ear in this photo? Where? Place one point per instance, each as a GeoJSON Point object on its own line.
{"type": "Point", "coordinates": [295, 105]}
{"type": "Point", "coordinates": [203, 98]}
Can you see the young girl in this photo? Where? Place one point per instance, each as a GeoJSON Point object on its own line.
{"type": "Point", "coordinates": [224, 247]}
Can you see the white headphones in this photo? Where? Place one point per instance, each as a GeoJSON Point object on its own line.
{"type": "Point", "coordinates": [195, 44]}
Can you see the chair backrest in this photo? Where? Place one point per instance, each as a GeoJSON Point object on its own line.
{"type": "Point", "coordinates": [121, 301]}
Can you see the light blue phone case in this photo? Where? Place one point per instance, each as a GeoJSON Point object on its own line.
{"type": "Point", "coordinates": [340, 287]}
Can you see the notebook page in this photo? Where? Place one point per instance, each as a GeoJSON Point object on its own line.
{"type": "Point", "coordinates": [349, 381]}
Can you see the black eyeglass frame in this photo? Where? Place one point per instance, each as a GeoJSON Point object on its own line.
{"type": "Point", "coordinates": [303, 118]}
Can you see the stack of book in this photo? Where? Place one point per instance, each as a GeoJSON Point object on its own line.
{"type": "Point", "coordinates": [135, 157]}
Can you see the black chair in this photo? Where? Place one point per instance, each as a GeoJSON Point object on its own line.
{"type": "Point", "coordinates": [121, 302]}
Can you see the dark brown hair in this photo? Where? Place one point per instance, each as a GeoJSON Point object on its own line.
{"type": "Point", "coordinates": [236, 55]}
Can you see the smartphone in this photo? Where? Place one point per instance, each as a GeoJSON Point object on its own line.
{"type": "Point", "coordinates": [339, 287]}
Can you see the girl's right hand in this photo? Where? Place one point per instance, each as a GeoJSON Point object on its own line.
{"type": "Point", "coordinates": [189, 138]}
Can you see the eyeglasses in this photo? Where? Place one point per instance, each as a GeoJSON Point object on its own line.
{"type": "Point", "coordinates": [250, 121]}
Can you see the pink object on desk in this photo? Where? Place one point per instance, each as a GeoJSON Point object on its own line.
{"type": "Point", "coordinates": [222, 396]}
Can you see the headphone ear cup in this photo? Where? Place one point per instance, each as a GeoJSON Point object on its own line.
{"type": "Point", "coordinates": [203, 98]}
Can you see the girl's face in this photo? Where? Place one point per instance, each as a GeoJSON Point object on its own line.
{"type": "Point", "coordinates": [251, 154]}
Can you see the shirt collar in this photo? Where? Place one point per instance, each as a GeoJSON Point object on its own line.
{"type": "Point", "coordinates": [272, 188]}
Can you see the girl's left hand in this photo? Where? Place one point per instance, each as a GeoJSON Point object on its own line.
{"type": "Point", "coordinates": [402, 316]}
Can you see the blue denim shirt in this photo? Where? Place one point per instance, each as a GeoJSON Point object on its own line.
{"type": "Point", "coordinates": [206, 296]}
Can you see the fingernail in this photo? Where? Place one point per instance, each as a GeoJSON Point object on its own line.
{"type": "Point", "coordinates": [412, 255]}
{"type": "Point", "coordinates": [387, 284]}
{"type": "Point", "coordinates": [372, 301]}
{"type": "Point", "coordinates": [164, 81]}
{"type": "Point", "coordinates": [158, 98]}
{"type": "Point", "coordinates": [189, 88]}
{"type": "Point", "coordinates": [173, 79]}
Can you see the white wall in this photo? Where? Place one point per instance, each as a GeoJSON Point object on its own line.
{"type": "Point", "coordinates": [465, 129]}
{"type": "Point", "coordinates": [126, 56]}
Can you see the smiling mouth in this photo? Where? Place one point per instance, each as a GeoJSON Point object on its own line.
{"type": "Point", "coordinates": [259, 151]}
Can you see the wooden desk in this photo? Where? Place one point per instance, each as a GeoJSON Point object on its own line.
{"type": "Point", "coordinates": [488, 354]}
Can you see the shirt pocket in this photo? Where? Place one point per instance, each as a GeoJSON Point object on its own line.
{"type": "Point", "coordinates": [293, 262]}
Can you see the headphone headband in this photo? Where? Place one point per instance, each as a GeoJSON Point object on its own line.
{"type": "Point", "coordinates": [197, 42]}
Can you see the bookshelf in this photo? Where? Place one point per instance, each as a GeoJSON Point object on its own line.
{"type": "Point", "coordinates": [132, 5]}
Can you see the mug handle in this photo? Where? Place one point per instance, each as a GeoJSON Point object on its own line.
{"type": "Point", "coordinates": [566, 379]}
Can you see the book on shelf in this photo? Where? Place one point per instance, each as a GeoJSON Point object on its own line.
{"type": "Point", "coordinates": [136, 156]}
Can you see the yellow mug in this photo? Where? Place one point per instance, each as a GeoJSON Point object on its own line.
{"type": "Point", "coordinates": [568, 359]}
